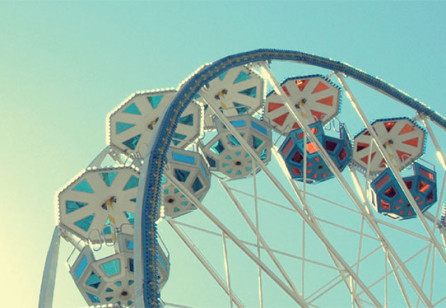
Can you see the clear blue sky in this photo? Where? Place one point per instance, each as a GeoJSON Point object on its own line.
{"type": "Point", "coordinates": [64, 65]}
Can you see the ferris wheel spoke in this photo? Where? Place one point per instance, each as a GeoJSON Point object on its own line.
{"type": "Point", "coordinates": [49, 272]}
{"type": "Point", "coordinates": [361, 194]}
{"type": "Point", "coordinates": [303, 259]}
{"type": "Point", "coordinates": [301, 196]}
{"type": "Point", "coordinates": [402, 230]}
{"type": "Point", "coordinates": [390, 162]}
{"type": "Point", "coordinates": [386, 287]}
{"type": "Point", "coordinates": [360, 233]}
{"type": "Point", "coordinates": [398, 278]}
{"type": "Point", "coordinates": [318, 197]}
{"type": "Point", "coordinates": [396, 267]}
{"type": "Point", "coordinates": [302, 123]}
{"type": "Point", "coordinates": [257, 225]}
{"type": "Point", "coordinates": [325, 156]}
{"type": "Point", "coordinates": [389, 250]}
{"type": "Point", "coordinates": [226, 261]}
{"type": "Point", "coordinates": [361, 237]}
{"type": "Point", "coordinates": [325, 289]}
{"type": "Point", "coordinates": [440, 153]}
{"type": "Point", "coordinates": [259, 236]}
{"type": "Point", "coordinates": [441, 210]}
{"type": "Point", "coordinates": [426, 263]}
{"type": "Point", "coordinates": [296, 296]}
{"type": "Point", "coordinates": [436, 224]}
{"type": "Point", "coordinates": [432, 276]}
{"type": "Point", "coordinates": [259, 162]}
{"type": "Point", "coordinates": [167, 304]}
{"type": "Point", "coordinates": [336, 280]}
{"type": "Point", "coordinates": [254, 245]}
{"type": "Point", "coordinates": [222, 125]}
{"type": "Point", "coordinates": [357, 232]}
{"type": "Point", "coordinates": [205, 263]}
{"type": "Point", "coordinates": [440, 301]}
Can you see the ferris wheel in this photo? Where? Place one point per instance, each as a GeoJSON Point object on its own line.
{"type": "Point", "coordinates": [289, 179]}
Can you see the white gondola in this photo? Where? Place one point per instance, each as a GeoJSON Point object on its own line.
{"type": "Point", "coordinates": [108, 281]}
{"type": "Point", "coordinates": [97, 200]}
{"type": "Point", "coordinates": [316, 245]}
{"type": "Point", "coordinates": [402, 138]}
{"type": "Point", "coordinates": [226, 155]}
{"type": "Point", "coordinates": [131, 125]}
{"type": "Point", "coordinates": [237, 91]}
{"type": "Point", "coordinates": [192, 171]}
{"type": "Point", "coordinates": [314, 98]}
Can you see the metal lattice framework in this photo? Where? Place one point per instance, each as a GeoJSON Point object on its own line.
{"type": "Point", "coordinates": [244, 127]}
{"type": "Point", "coordinates": [191, 88]}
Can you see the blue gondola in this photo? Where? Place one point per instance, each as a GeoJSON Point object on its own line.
{"type": "Point", "coordinates": [292, 151]}
{"type": "Point", "coordinates": [389, 199]}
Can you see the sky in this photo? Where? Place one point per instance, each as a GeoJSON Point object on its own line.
{"type": "Point", "coordinates": [65, 65]}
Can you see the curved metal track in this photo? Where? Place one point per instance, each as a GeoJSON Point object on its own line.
{"type": "Point", "coordinates": [158, 147]}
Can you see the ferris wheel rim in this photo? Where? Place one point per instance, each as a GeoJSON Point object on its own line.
{"type": "Point", "coordinates": [159, 145]}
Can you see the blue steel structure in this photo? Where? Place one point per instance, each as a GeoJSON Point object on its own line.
{"type": "Point", "coordinates": [168, 123]}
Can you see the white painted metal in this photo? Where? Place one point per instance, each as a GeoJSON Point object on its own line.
{"type": "Point", "coordinates": [385, 248]}
{"type": "Point", "coordinates": [314, 96]}
{"type": "Point", "coordinates": [231, 159]}
{"type": "Point", "coordinates": [303, 259]}
{"type": "Point", "coordinates": [432, 276]}
{"type": "Point", "coordinates": [49, 272]}
{"type": "Point", "coordinates": [410, 143]}
{"type": "Point", "coordinates": [304, 195]}
{"type": "Point", "coordinates": [217, 222]}
{"type": "Point", "coordinates": [193, 167]}
{"type": "Point", "coordinates": [74, 240]}
{"type": "Point", "coordinates": [303, 124]}
{"type": "Point", "coordinates": [110, 150]}
{"type": "Point", "coordinates": [279, 252]}
{"type": "Point", "coordinates": [331, 202]}
{"type": "Point", "coordinates": [425, 271]}
{"type": "Point", "coordinates": [386, 286]}
{"type": "Point", "coordinates": [361, 236]}
{"type": "Point", "coordinates": [402, 230]}
{"type": "Point", "coordinates": [390, 156]}
{"type": "Point", "coordinates": [346, 272]}
{"type": "Point", "coordinates": [256, 205]}
{"type": "Point", "coordinates": [131, 125]}
{"type": "Point", "coordinates": [336, 280]}
{"type": "Point", "coordinates": [259, 236]}
{"type": "Point", "coordinates": [384, 153]}
{"type": "Point", "coordinates": [439, 301]}
{"type": "Point", "coordinates": [112, 287]}
{"type": "Point", "coordinates": [436, 219]}
{"type": "Point", "coordinates": [397, 275]}
{"type": "Point", "coordinates": [203, 261]}
{"type": "Point", "coordinates": [166, 304]}
{"type": "Point", "coordinates": [101, 199]}
{"type": "Point", "coordinates": [227, 272]}
{"type": "Point", "coordinates": [276, 183]}
{"type": "Point", "coordinates": [309, 213]}
{"type": "Point", "coordinates": [237, 91]}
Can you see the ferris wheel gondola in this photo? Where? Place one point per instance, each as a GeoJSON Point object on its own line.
{"type": "Point", "coordinates": [236, 91]}
{"type": "Point", "coordinates": [253, 145]}
{"type": "Point", "coordinates": [131, 125]}
{"type": "Point", "coordinates": [98, 200]}
{"type": "Point", "coordinates": [404, 138]}
{"type": "Point", "coordinates": [315, 98]}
